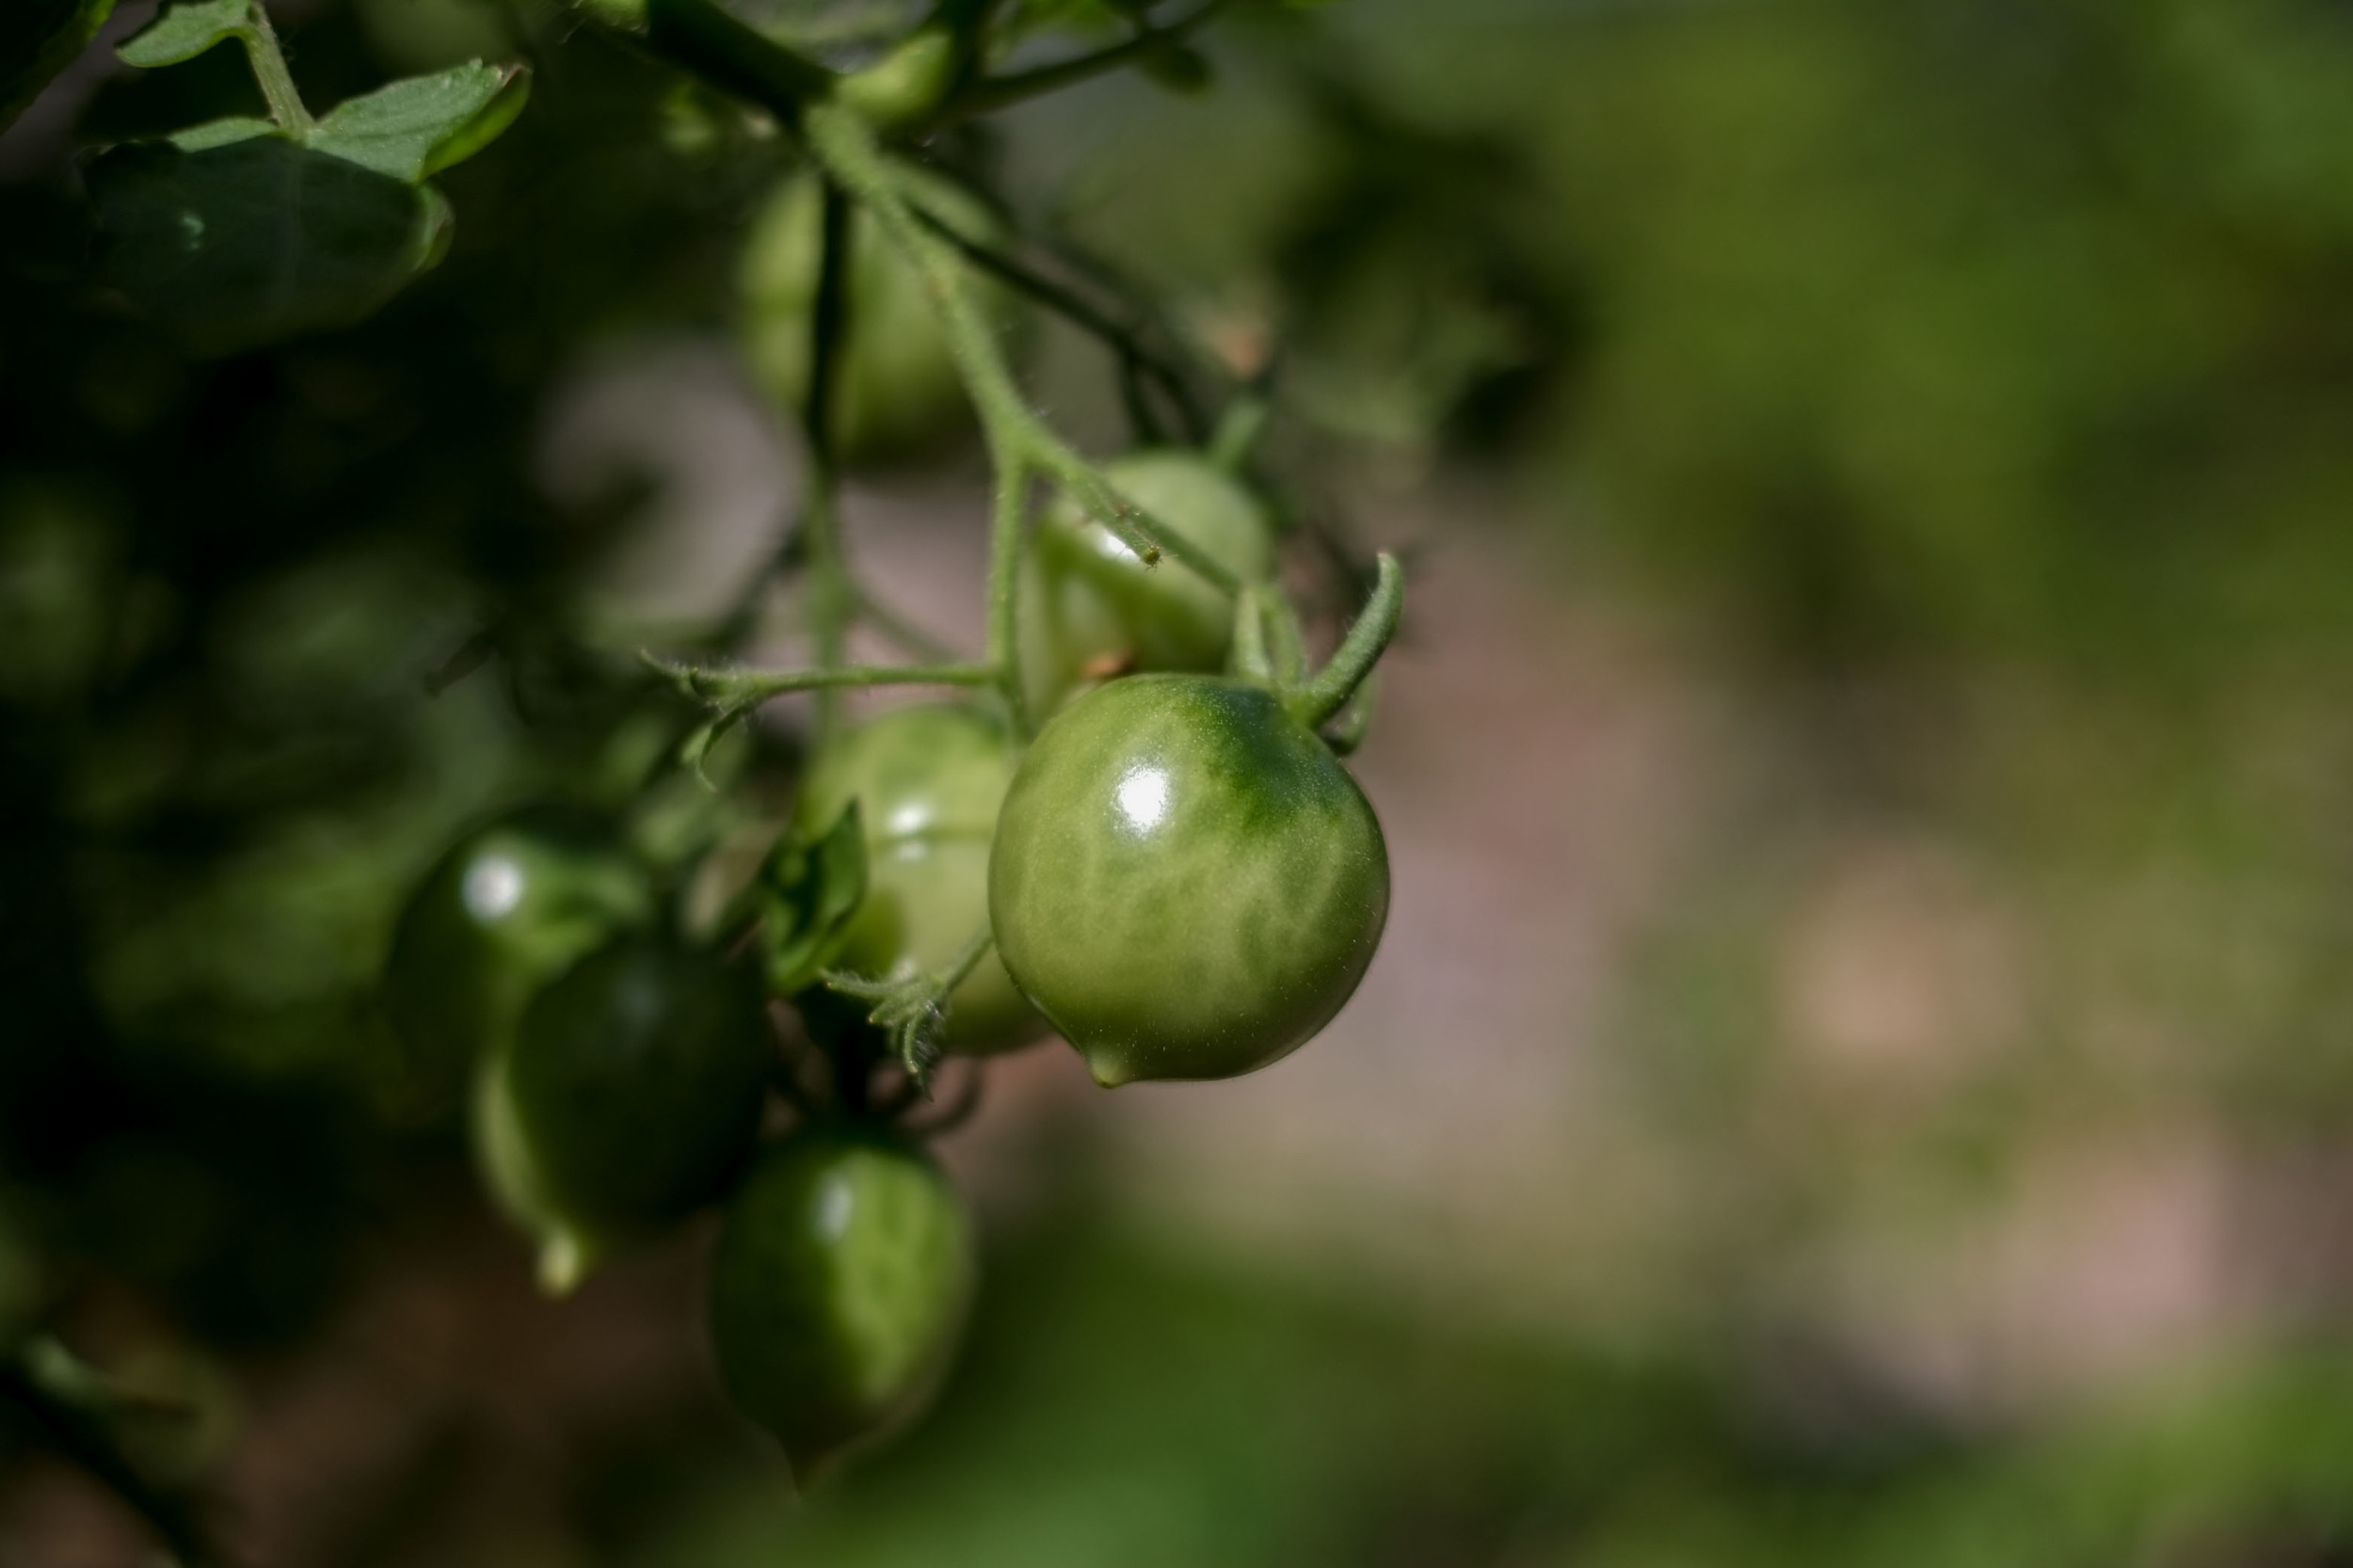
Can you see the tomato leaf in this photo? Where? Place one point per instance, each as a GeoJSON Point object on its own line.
{"type": "Point", "coordinates": [420, 125]}
{"type": "Point", "coordinates": [257, 238]}
{"type": "Point", "coordinates": [39, 38]}
{"type": "Point", "coordinates": [811, 890]}
{"type": "Point", "coordinates": [186, 30]}
{"type": "Point", "coordinates": [220, 132]}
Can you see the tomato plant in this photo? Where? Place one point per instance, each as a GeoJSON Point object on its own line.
{"type": "Point", "coordinates": [1185, 881]}
{"type": "Point", "coordinates": [928, 782]}
{"type": "Point", "coordinates": [630, 1094]}
{"type": "Point", "coordinates": [1090, 608]}
{"type": "Point", "coordinates": [1131, 823]}
{"type": "Point", "coordinates": [505, 910]}
{"type": "Point", "coordinates": [837, 1289]}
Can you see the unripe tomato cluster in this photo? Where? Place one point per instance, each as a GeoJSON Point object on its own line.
{"type": "Point", "coordinates": [1175, 873]}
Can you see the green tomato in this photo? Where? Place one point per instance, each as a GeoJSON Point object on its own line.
{"type": "Point", "coordinates": [928, 781]}
{"type": "Point", "coordinates": [505, 911]}
{"type": "Point", "coordinates": [1090, 607]}
{"type": "Point", "coordinates": [898, 392]}
{"type": "Point", "coordinates": [1185, 880]}
{"type": "Point", "coordinates": [838, 1290]}
{"type": "Point", "coordinates": [631, 1094]}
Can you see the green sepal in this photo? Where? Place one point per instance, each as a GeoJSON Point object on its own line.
{"type": "Point", "coordinates": [811, 890]}
{"type": "Point", "coordinates": [39, 38]}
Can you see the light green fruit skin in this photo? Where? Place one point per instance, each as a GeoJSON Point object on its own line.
{"type": "Point", "coordinates": [838, 1290]}
{"type": "Point", "coordinates": [503, 912]}
{"type": "Point", "coordinates": [1088, 601]}
{"type": "Point", "coordinates": [929, 780]}
{"type": "Point", "coordinates": [1185, 880]}
{"type": "Point", "coordinates": [629, 1096]}
{"type": "Point", "coordinates": [899, 391]}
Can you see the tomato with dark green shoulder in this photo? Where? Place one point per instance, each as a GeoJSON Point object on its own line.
{"type": "Point", "coordinates": [505, 911]}
{"type": "Point", "coordinates": [631, 1094]}
{"type": "Point", "coordinates": [1185, 880]}
{"type": "Point", "coordinates": [839, 1289]}
{"type": "Point", "coordinates": [929, 780]}
{"type": "Point", "coordinates": [1089, 607]}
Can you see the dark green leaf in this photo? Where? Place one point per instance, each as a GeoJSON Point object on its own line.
{"type": "Point", "coordinates": [38, 38]}
{"type": "Point", "coordinates": [186, 30]}
{"type": "Point", "coordinates": [809, 893]}
{"type": "Point", "coordinates": [258, 239]}
{"type": "Point", "coordinates": [415, 127]}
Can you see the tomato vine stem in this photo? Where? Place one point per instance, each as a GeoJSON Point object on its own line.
{"type": "Point", "coordinates": [1137, 360]}
{"type": "Point", "coordinates": [997, 93]}
{"type": "Point", "coordinates": [831, 600]}
{"type": "Point", "coordinates": [268, 63]}
{"type": "Point", "coordinates": [1329, 691]}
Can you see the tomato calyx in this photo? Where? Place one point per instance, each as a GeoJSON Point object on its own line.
{"type": "Point", "coordinates": [1269, 651]}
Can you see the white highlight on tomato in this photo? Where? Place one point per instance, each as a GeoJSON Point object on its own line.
{"type": "Point", "coordinates": [1143, 798]}
{"type": "Point", "coordinates": [493, 885]}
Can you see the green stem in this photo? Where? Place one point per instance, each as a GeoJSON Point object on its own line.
{"type": "Point", "coordinates": [735, 690]}
{"type": "Point", "coordinates": [1248, 659]}
{"type": "Point", "coordinates": [1001, 91]}
{"type": "Point", "coordinates": [1135, 356]}
{"type": "Point", "coordinates": [847, 150]}
{"type": "Point", "coordinates": [965, 961]}
{"type": "Point", "coordinates": [831, 598]}
{"type": "Point", "coordinates": [269, 70]}
{"type": "Point", "coordinates": [1329, 691]}
{"type": "Point", "coordinates": [1005, 575]}
{"type": "Point", "coordinates": [733, 58]}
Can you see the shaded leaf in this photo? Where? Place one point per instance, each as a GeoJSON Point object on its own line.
{"type": "Point", "coordinates": [421, 124]}
{"type": "Point", "coordinates": [810, 891]}
{"type": "Point", "coordinates": [239, 243]}
{"type": "Point", "coordinates": [220, 132]}
{"type": "Point", "coordinates": [39, 38]}
{"type": "Point", "coordinates": [186, 30]}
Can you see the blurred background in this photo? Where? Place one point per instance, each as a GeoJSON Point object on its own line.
{"type": "Point", "coordinates": [1861, 1066]}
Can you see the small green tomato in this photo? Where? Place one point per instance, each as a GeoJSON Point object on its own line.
{"type": "Point", "coordinates": [1185, 880]}
{"type": "Point", "coordinates": [928, 779]}
{"type": "Point", "coordinates": [505, 911]}
{"type": "Point", "coordinates": [1089, 606]}
{"type": "Point", "coordinates": [838, 1290]}
{"type": "Point", "coordinates": [630, 1096]}
{"type": "Point", "coordinates": [898, 392]}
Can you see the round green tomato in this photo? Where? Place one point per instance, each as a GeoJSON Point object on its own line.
{"type": "Point", "coordinates": [898, 389]}
{"type": "Point", "coordinates": [1088, 604]}
{"type": "Point", "coordinates": [1185, 880]}
{"type": "Point", "coordinates": [837, 1289]}
{"type": "Point", "coordinates": [928, 779]}
{"type": "Point", "coordinates": [505, 911]}
{"type": "Point", "coordinates": [630, 1095]}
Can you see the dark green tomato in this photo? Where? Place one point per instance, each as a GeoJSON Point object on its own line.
{"type": "Point", "coordinates": [505, 911]}
{"type": "Point", "coordinates": [899, 390]}
{"type": "Point", "coordinates": [1185, 881]}
{"type": "Point", "coordinates": [630, 1096]}
{"type": "Point", "coordinates": [928, 781]}
{"type": "Point", "coordinates": [837, 1289]}
{"type": "Point", "coordinates": [1090, 607]}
